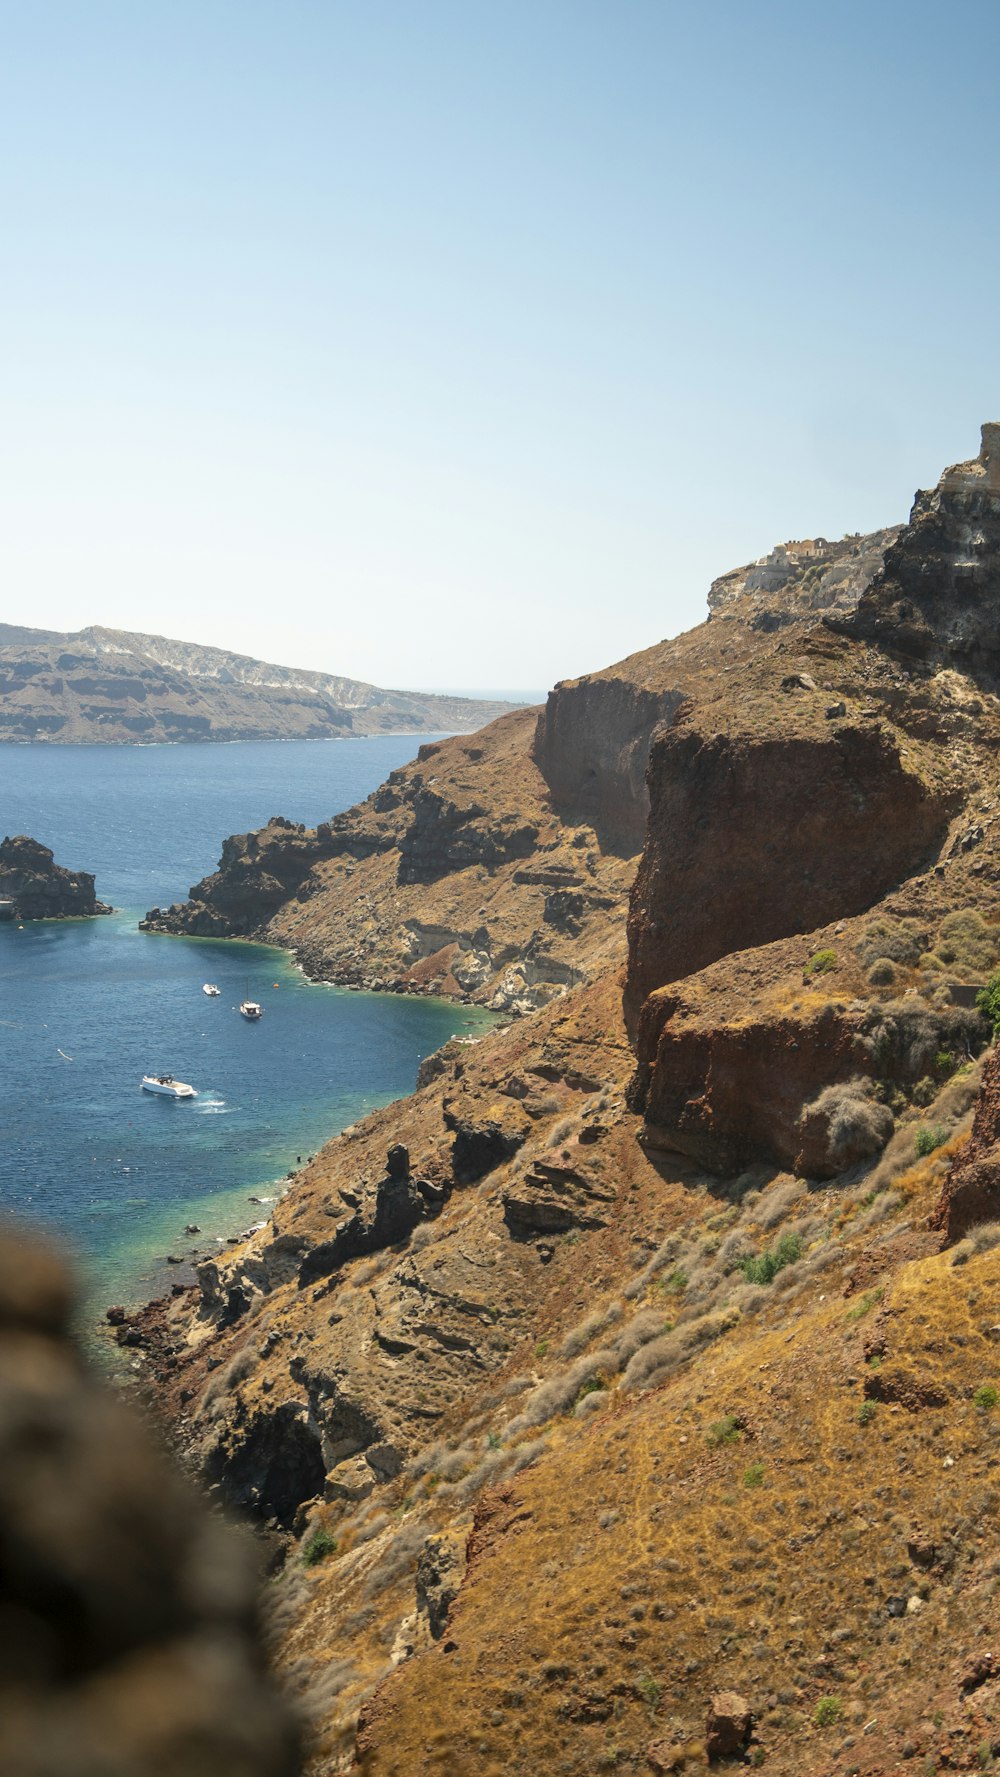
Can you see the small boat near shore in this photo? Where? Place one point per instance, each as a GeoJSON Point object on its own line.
{"type": "Point", "coordinates": [211, 989]}
{"type": "Point", "coordinates": [249, 1008]}
{"type": "Point", "coordinates": [165, 1086]}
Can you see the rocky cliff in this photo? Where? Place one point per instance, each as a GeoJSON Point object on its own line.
{"type": "Point", "coordinates": [34, 886]}
{"type": "Point", "coordinates": [623, 1400]}
{"type": "Point", "coordinates": [115, 685]}
{"type": "Point", "coordinates": [934, 603]}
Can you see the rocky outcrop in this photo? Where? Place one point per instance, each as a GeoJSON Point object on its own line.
{"type": "Point", "coordinates": [456, 876]}
{"type": "Point", "coordinates": [803, 580]}
{"type": "Point", "coordinates": [933, 605]}
{"type": "Point", "coordinates": [130, 1640]}
{"type": "Point", "coordinates": [34, 886]}
{"type": "Point", "coordinates": [755, 834]}
{"type": "Point", "coordinates": [118, 686]}
{"type": "Point", "coordinates": [971, 1192]}
{"type": "Point", "coordinates": [592, 747]}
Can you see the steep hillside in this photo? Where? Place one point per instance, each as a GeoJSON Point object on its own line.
{"type": "Point", "coordinates": [114, 685]}
{"type": "Point", "coordinates": [628, 1399]}
{"type": "Point", "coordinates": [494, 867]}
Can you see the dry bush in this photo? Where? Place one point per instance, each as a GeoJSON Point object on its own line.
{"type": "Point", "coordinates": [581, 1335]}
{"type": "Point", "coordinates": [456, 1463]}
{"type": "Point", "coordinates": [559, 1393]}
{"type": "Point", "coordinates": [746, 1298]}
{"type": "Point", "coordinates": [890, 940]}
{"type": "Point", "coordinates": [498, 1466]}
{"type": "Point", "coordinates": [398, 1557]}
{"type": "Point", "coordinates": [985, 1236]}
{"type": "Point", "coordinates": [884, 1204]}
{"type": "Point", "coordinates": [959, 1094]}
{"type": "Point", "coordinates": [323, 1686]}
{"type": "Point", "coordinates": [774, 1204]}
{"type": "Point", "coordinates": [849, 1123]}
{"type": "Point", "coordinates": [966, 943]}
{"type": "Point", "coordinates": [905, 1036]}
{"type": "Point", "coordinates": [283, 1600]}
{"type": "Point", "coordinates": [366, 1528]}
{"type": "Point", "coordinates": [425, 1234]}
{"type": "Point", "coordinates": [652, 1363]}
{"type": "Point", "coordinates": [734, 1249]}
{"type": "Point", "coordinates": [639, 1331]}
{"type": "Point", "coordinates": [559, 1133]}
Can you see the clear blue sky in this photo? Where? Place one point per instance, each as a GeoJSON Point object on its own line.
{"type": "Point", "coordinates": [445, 343]}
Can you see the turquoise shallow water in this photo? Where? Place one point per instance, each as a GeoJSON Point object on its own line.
{"type": "Point", "coordinates": [88, 1007]}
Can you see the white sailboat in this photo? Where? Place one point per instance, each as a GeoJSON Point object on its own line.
{"type": "Point", "coordinates": [249, 1008]}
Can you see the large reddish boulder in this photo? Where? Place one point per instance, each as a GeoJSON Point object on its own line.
{"type": "Point", "coordinates": [971, 1191]}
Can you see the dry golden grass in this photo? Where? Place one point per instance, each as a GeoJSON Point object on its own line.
{"type": "Point", "coordinates": [635, 1568]}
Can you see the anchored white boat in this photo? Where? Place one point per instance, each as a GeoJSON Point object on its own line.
{"type": "Point", "coordinates": [249, 1008]}
{"type": "Point", "coordinates": [167, 1087]}
{"type": "Point", "coordinates": [211, 989]}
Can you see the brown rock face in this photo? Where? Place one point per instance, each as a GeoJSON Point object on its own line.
{"type": "Point", "coordinates": [752, 839]}
{"type": "Point", "coordinates": [127, 1612]}
{"type": "Point", "coordinates": [38, 888]}
{"type": "Point", "coordinates": [971, 1191]}
{"type": "Point", "coordinates": [592, 747]}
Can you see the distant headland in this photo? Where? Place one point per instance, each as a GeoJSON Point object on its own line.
{"type": "Point", "coordinates": [119, 687]}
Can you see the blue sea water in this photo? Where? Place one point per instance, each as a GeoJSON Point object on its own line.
{"type": "Point", "coordinates": [88, 1006]}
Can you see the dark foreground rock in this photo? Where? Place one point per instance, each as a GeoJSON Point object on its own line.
{"type": "Point", "coordinates": [34, 886]}
{"type": "Point", "coordinates": [127, 1613]}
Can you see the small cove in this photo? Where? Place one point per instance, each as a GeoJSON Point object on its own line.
{"type": "Point", "coordinates": [87, 1007]}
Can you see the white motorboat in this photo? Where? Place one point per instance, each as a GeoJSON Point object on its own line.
{"type": "Point", "coordinates": [167, 1087]}
{"type": "Point", "coordinates": [211, 989]}
{"type": "Point", "coordinates": [251, 1009]}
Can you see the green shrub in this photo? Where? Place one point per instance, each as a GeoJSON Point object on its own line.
{"type": "Point", "coordinates": [944, 1064]}
{"type": "Point", "coordinates": [828, 1710]}
{"type": "Point", "coordinates": [318, 1547]}
{"type": "Point", "coordinates": [925, 1091]}
{"type": "Point", "coordinates": [865, 1304]}
{"type": "Point", "coordinates": [986, 1397]}
{"type": "Point", "coordinates": [819, 964]}
{"type": "Point", "coordinates": [726, 1430]}
{"type": "Point", "coordinates": [764, 1267]}
{"type": "Point", "coordinates": [754, 1475]}
{"type": "Point", "coordinates": [929, 1137]}
{"type": "Point", "coordinates": [988, 1000]}
{"type": "Point", "coordinates": [866, 1412]}
{"type": "Point", "coordinates": [882, 972]}
{"type": "Point", "coordinates": [650, 1690]}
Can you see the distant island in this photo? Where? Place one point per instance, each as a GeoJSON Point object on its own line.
{"type": "Point", "coordinates": [117, 686]}
{"type": "Point", "coordinates": [34, 886]}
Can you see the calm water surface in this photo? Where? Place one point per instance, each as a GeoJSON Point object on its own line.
{"type": "Point", "coordinates": [87, 1007]}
